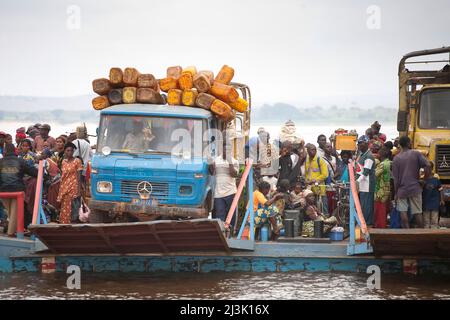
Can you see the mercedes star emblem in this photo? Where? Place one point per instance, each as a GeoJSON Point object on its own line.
{"type": "Point", "coordinates": [144, 190]}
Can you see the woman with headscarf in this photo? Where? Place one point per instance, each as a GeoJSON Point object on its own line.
{"type": "Point", "coordinates": [58, 151]}
{"type": "Point", "coordinates": [69, 190]}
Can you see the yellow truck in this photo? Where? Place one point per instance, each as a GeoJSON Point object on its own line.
{"type": "Point", "coordinates": [424, 108]}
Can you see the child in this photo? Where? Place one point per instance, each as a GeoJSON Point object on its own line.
{"type": "Point", "coordinates": [296, 196]}
{"type": "Point", "coordinates": [432, 197]}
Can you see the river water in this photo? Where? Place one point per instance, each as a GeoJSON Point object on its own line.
{"type": "Point", "coordinates": [276, 286]}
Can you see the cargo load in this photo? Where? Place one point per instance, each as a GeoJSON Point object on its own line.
{"type": "Point", "coordinates": [147, 80]}
{"type": "Point", "coordinates": [130, 77]}
{"type": "Point", "coordinates": [101, 86]}
{"type": "Point", "coordinates": [174, 97]}
{"type": "Point", "coordinates": [129, 95]}
{"type": "Point", "coordinates": [225, 75]}
{"type": "Point", "coordinates": [184, 86]}
{"type": "Point", "coordinates": [116, 77]}
{"type": "Point", "coordinates": [205, 100]}
{"type": "Point", "coordinates": [115, 96]}
{"type": "Point", "coordinates": [189, 97]}
{"type": "Point", "coordinates": [224, 92]}
{"type": "Point", "coordinates": [222, 110]}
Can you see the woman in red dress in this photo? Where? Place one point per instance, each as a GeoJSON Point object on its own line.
{"type": "Point", "coordinates": [70, 183]}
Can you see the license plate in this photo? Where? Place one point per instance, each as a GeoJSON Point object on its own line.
{"type": "Point", "coordinates": [144, 203]}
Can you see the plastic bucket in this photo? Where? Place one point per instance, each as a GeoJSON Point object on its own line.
{"type": "Point", "coordinates": [264, 233]}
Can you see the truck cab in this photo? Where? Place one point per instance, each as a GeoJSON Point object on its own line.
{"type": "Point", "coordinates": [152, 161]}
{"type": "Point", "coordinates": [424, 107]}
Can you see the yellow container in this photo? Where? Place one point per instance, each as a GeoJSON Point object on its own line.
{"type": "Point", "coordinates": [174, 97]}
{"type": "Point", "coordinates": [174, 72]}
{"type": "Point", "coordinates": [346, 142]}
{"type": "Point", "coordinates": [202, 82]}
{"type": "Point", "coordinates": [116, 77]}
{"type": "Point", "coordinates": [189, 97]}
{"type": "Point", "coordinates": [186, 81]}
{"type": "Point", "coordinates": [239, 105]}
{"type": "Point", "coordinates": [224, 92]}
{"type": "Point", "coordinates": [191, 69]}
{"type": "Point", "coordinates": [222, 110]}
{"type": "Point", "coordinates": [225, 75]}
{"type": "Point", "coordinates": [100, 103]}
{"type": "Point", "coordinates": [129, 95]}
{"type": "Point", "coordinates": [209, 74]}
{"type": "Point", "coordinates": [130, 77]}
{"type": "Point", "coordinates": [168, 83]}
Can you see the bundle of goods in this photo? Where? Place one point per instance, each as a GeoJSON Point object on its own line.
{"type": "Point", "coordinates": [344, 140]}
{"type": "Point", "coordinates": [187, 87]}
{"type": "Point", "coordinates": [127, 86]}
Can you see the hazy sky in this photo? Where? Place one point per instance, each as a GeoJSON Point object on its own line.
{"type": "Point", "coordinates": [286, 50]}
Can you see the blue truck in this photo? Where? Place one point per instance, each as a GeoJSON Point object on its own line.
{"type": "Point", "coordinates": [152, 161]}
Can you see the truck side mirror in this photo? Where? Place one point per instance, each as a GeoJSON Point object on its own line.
{"type": "Point", "coordinates": [402, 117]}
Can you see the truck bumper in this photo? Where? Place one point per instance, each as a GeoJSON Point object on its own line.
{"type": "Point", "coordinates": [143, 209]}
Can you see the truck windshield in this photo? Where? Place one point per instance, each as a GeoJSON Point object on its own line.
{"type": "Point", "coordinates": [143, 134]}
{"type": "Point", "coordinates": [435, 109]}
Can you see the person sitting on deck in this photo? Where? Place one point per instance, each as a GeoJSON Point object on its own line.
{"type": "Point", "coordinates": [312, 213]}
{"type": "Point", "coordinates": [297, 197]}
{"type": "Point", "coordinates": [265, 210]}
{"type": "Point", "coordinates": [285, 201]}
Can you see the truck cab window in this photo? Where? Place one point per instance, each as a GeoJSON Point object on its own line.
{"type": "Point", "coordinates": [434, 112]}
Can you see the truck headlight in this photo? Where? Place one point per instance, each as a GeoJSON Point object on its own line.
{"type": "Point", "coordinates": [104, 187]}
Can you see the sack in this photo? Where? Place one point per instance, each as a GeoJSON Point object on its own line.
{"type": "Point", "coordinates": [394, 221]}
{"type": "Point", "coordinates": [84, 212]}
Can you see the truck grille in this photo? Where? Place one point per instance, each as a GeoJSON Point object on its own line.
{"type": "Point", "coordinates": [443, 159]}
{"type": "Point", "coordinates": [160, 190]}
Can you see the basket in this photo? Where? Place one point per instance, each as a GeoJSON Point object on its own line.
{"type": "Point", "coordinates": [346, 142]}
{"type": "Point", "coordinates": [336, 236]}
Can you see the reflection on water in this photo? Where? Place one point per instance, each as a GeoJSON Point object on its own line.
{"type": "Point", "coordinates": [299, 285]}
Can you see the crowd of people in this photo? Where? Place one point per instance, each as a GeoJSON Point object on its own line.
{"type": "Point", "coordinates": [67, 158]}
{"type": "Point", "coordinates": [289, 174]}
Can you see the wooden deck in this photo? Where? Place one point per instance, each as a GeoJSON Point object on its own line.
{"type": "Point", "coordinates": [411, 242]}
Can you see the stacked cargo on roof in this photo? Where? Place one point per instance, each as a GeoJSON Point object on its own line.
{"type": "Point", "coordinates": [187, 87]}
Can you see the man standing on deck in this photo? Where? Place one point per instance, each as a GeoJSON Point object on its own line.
{"type": "Point", "coordinates": [408, 193]}
{"type": "Point", "coordinates": [225, 168]}
{"type": "Point", "coordinates": [365, 171]}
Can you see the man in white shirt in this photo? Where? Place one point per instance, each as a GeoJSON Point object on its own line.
{"type": "Point", "coordinates": [321, 141]}
{"type": "Point", "coordinates": [225, 169]}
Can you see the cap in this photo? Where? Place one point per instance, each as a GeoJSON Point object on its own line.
{"type": "Point", "coordinates": [45, 126]}
{"type": "Point", "coordinates": [3, 134]}
{"type": "Point", "coordinates": [363, 139]}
